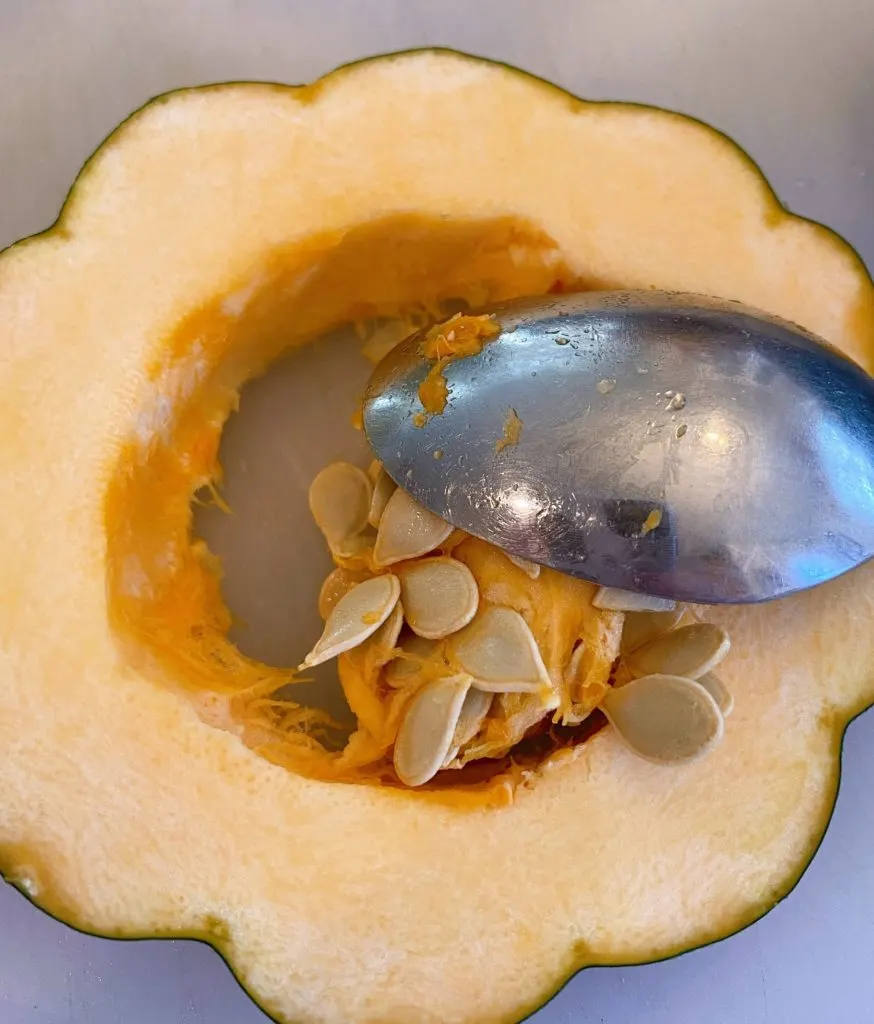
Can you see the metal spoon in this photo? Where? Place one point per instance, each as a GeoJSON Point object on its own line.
{"type": "Point", "coordinates": [671, 444]}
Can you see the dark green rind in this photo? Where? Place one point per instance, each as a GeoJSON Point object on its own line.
{"type": "Point", "coordinates": [774, 209]}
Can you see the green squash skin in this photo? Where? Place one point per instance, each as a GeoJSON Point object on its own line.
{"type": "Point", "coordinates": [215, 932]}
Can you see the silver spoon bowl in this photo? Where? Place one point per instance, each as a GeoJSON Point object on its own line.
{"type": "Point", "coordinates": [670, 444]}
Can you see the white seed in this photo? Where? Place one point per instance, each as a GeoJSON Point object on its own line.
{"type": "Point", "coordinates": [689, 651]}
{"type": "Point", "coordinates": [614, 599]}
{"type": "Point", "coordinates": [337, 584]}
{"type": "Point", "coordinates": [407, 530]}
{"type": "Point", "coordinates": [425, 735]}
{"type": "Point", "coordinates": [358, 545]}
{"type": "Point", "coordinates": [355, 617]}
{"type": "Point", "coordinates": [641, 627]}
{"type": "Point", "coordinates": [514, 715]}
{"type": "Point", "coordinates": [531, 569]}
{"type": "Point", "coordinates": [719, 692]}
{"type": "Point", "coordinates": [500, 652]}
{"type": "Point", "coordinates": [477, 705]}
{"type": "Point", "coordinates": [440, 596]}
{"type": "Point", "coordinates": [403, 671]}
{"type": "Point", "coordinates": [339, 499]}
{"type": "Point", "coordinates": [451, 756]}
{"type": "Point", "coordinates": [572, 671]}
{"type": "Point", "coordinates": [383, 488]}
{"type": "Point", "coordinates": [572, 679]}
{"type": "Point", "coordinates": [666, 719]}
{"type": "Point", "coordinates": [385, 639]}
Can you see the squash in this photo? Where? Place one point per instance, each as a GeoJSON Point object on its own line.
{"type": "Point", "coordinates": [213, 230]}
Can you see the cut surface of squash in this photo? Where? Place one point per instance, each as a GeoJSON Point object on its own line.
{"type": "Point", "coordinates": [147, 786]}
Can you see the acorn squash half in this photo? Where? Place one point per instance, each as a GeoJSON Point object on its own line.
{"type": "Point", "coordinates": [214, 229]}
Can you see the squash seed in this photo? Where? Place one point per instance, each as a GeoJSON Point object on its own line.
{"type": "Point", "coordinates": [666, 719]}
{"type": "Point", "coordinates": [719, 692]}
{"type": "Point", "coordinates": [358, 545]}
{"type": "Point", "coordinates": [641, 627]}
{"type": "Point", "coordinates": [572, 671]}
{"type": "Point", "coordinates": [689, 651]}
{"type": "Point", "coordinates": [614, 599]}
{"type": "Point", "coordinates": [451, 755]}
{"type": "Point", "coordinates": [440, 596]}
{"type": "Point", "coordinates": [383, 488]}
{"type": "Point", "coordinates": [355, 617]}
{"type": "Point", "coordinates": [403, 670]}
{"type": "Point", "coordinates": [428, 726]}
{"type": "Point", "coordinates": [407, 530]}
{"type": "Point", "coordinates": [337, 584]}
{"type": "Point", "coordinates": [500, 652]}
{"type": "Point", "coordinates": [531, 569]}
{"type": "Point", "coordinates": [385, 639]}
{"type": "Point", "coordinates": [574, 711]}
{"type": "Point", "coordinates": [477, 705]}
{"type": "Point", "coordinates": [339, 499]}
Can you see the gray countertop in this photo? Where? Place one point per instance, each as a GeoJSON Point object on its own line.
{"type": "Point", "coordinates": [789, 80]}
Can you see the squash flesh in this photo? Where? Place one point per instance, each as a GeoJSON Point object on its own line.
{"type": "Point", "coordinates": [122, 810]}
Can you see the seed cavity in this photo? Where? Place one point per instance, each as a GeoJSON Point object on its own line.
{"type": "Point", "coordinates": [462, 681]}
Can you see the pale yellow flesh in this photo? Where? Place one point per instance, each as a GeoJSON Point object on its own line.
{"type": "Point", "coordinates": [126, 813]}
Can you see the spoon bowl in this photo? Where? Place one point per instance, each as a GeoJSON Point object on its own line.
{"type": "Point", "coordinates": [663, 443]}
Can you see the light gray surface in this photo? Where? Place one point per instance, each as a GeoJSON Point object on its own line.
{"type": "Point", "coordinates": [792, 81]}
